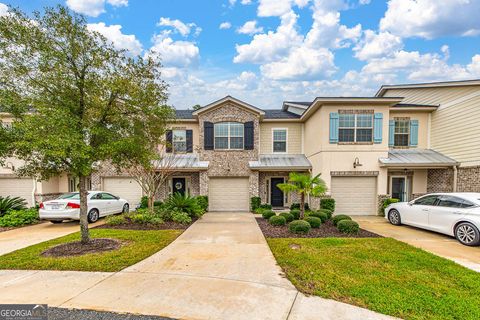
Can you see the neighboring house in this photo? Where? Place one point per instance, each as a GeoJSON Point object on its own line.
{"type": "Point", "coordinates": [404, 142]}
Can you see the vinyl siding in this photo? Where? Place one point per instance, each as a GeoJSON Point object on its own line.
{"type": "Point", "coordinates": [294, 137]}
{"type": "Point", "coordinates": [431, 95]}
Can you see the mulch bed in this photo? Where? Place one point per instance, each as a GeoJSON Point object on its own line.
{"type": "Point", "coordinates": [77, 248]}
{"type": "Point", "coordinates": [326, 230]}
{"type": "Point", "coordinates": [167, 225]}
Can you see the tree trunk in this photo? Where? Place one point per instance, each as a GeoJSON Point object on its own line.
{"type": "Point", "coordinates": [84, 210]}
{"type": "Point", "coordinates": [151, 200]}
{"type": "Point", "coordinates": [302, 206]}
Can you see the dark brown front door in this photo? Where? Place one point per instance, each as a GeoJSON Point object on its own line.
{"type": "Point", "coordinates": [276, 195]}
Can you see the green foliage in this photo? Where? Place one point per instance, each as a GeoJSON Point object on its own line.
{"type": "Point", "coordinates": [115, 220]}
{"type": "Point", "coordinates": [144, 202]}
{"type": "Point", "coordinates": [288, 216]}
{"type": "Point", "coordinates": [348, 226]}
{"type": "Point", "coordinates": [296, 206]}
{"type": "Point", "coordinates": [328, 203]}
{"type": "Point", "coordinates": [202, 201]}
{"type": "Point", "coordinates": [295, 213]}
{"type": "Point", "coordinates": [267, 214]}
{"type": "Point", "coordinates": [327, 212]}
{"type": "Point", "coordinates": [319, 214]}
{"type": "Point", "coordinates": [181, 217]}
{"type": "Point", "coordinates": [184, 203]}
{"type": "Point", "coordinates": [299, 226]}
{"type": "Point", "coordinates": [266, 206]}
{"type": "Point", "coordinates": [386, 203]}
{"type": "Point", "coordinates": [339, 218]}
{"type": "Point", "coordinates": [313, 221]}
{"type": "Point", "coordinates": [260, 210]}
{"type": "Point", "coordinates": [277, 221]}
{"type": "Point", "coordinates": [145, 218]}
{"type": "Point", "coordinates": [15, 218]}
{"type": "Point", "coordinates": [255, 203]}
{"type": "Point", "coordinates": [8, 203]}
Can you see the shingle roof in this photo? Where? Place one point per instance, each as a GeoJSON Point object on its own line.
{"type": "Point", "coordinates": [281, 161]}
{"type": "Point", "coordinates": [408, 105]}
{"type": "Point", "coordinates": [184, 114]}
{"type": "Point", "coordinates": [269, 114]}
{"type": "Point", "coordinates": [416, 157]}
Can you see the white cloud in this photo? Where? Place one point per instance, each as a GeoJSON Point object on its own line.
{"type": "Point", "coordinates": [376, 45]}
{"type": "Point", "coordinates": [114, 34]}
{"type": "Point", "coordinates": [250, 27]}
{"type": "Point", "coordinates": [93, 8]}
{"type": "Point", "coordinates": [183, 28]}
{"type": "Point", "coordinates": [3, 9]}
{"type": "Point", "coordinates": [225, 25]}
{"type": "Point", "coordinates": [432, 18]}
{"type": "Point", "coordinates": [245, 2]}
{"type": "Point", "coordinates": [178, 54]}
{"type": "Point", "coordinates": [364, 2]}
{"type": "Point", "coordinates": [277, 8]}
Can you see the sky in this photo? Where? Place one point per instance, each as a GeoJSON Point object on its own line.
{"type": "Point", "coordinates": [265, 52]}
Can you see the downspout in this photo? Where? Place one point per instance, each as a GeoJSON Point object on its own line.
{"type": "Point", "coordinates": [455, 175]}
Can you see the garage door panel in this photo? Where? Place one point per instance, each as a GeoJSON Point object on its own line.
{"type": "Point", "coordinates": [354, 195]}
{"type": "Point", "coordinates": [126, 188]}
{"type": "Point", "coordinates": [228, 194]}
{"type": "Point", "coordinates": [15, 187]}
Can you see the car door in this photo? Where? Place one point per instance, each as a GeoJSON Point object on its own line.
{"type": "Point", "coordinates": [416, 213]}
{"type": "Point", "coordinates": [110, 203]}
{"type": "Point", "coordinates": [97, 203]}
{"type": "Point", "coordinates": [447, 211]}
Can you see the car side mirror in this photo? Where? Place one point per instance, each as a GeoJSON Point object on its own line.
{"type": "Point", "coordinates": [410, 203]}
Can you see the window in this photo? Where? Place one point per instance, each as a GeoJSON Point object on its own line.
{"type": "Point", "coordinates": [355, 127]}
{"type": "Point", "coordinates": [450, 202]}
{"type": "Point", "coordinates": [228, 135]}
{"type": "Point", "coordinates": [402, 132]}
{"type": "Point", "coordinates": [426, 201]}
{"type": "Point", "coordinates": [279, 140]}
{"type": "Point", "coordinates": [108, 196]}
{"type": "Point", "coordinates": [179, 140]}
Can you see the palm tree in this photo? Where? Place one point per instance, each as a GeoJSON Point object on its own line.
{"type": "Point", "coordinates": [305, 185]}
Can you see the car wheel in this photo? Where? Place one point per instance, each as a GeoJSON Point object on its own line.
{"type": "Point", "coordinates": [467, 234]}
{"type": "Point", "coordinates": [126, 208]}
{"type": "Point", "coordinates": [93, 216]}
{"type": "Point", "coordinates": [394, 217]}
{"type": "Point", "coordinates": [56, 221]}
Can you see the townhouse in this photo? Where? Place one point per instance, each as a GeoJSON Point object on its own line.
{"type": "Point", "coordinates": [405, 141]}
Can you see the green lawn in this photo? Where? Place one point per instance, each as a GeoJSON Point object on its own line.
{"type": "Point", "coordinates": [383, 275]}
{"type": "Point", "coordinates": [140, 245]}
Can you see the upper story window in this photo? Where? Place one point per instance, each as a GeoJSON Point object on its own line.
{"type": "Point", "coordinates": [402, 132]}
{"type": "Point", "coordinates": [355, 127]}
{"type": "Point", "coordinates": [279, 140]}
{"type": "Point", "coordinates": [179, 140]}
{"type": "Point", "coordinates": [228, 135]}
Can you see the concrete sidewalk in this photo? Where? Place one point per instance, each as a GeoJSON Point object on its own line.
{"type": "Point", "coordinates": [436, 243]}
{"type": "Point", "coordinates": [15, 239]}
{"type": "Point", "coordinates": [220, 268]}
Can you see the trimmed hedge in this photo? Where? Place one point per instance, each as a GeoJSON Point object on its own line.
{"type": "Point", "coordinates": [266, 206]}
{"type": "Point", "coordinates": [328, 203]}
{"type": "Point", "coordinates": [320, 214]}
{"type": "Point", "coordinates": [339, 218]}
{"type": "Point", "coordinates": [348, 226]}
{"type": "Point", "coordinates": [386, 203]}
{"type": "Point", "coordinates": [296, 206]}
{"type": "Point", "coordinates": [267, 214]}
{"type": "Point", "coordinates": [255, 203]}
{"type": "Point", "coordinates": [299, 226]}
{"type": "Point", "coordinates": [288, 216]}
{"type": "Point", "coordinates": [295, 213]}
{"type": "Point", "coordinates": [329, 213]}
{"type": "Point", "coordinates": [277, 221]}
{"type": "Point", "coordinates": [314, 221]}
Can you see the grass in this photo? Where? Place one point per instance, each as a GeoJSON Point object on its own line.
{"type": "Point", "coordinates": [140, 245]}
{"type": "Point", "coordinates": [384, 275]}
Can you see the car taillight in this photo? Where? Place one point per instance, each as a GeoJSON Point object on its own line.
{"type": "Point", "coordinates": [41, 205]}
{"type": "Point", "coordinates": [72, 205]}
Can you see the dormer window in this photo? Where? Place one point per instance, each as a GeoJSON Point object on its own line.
{"type": "Point", "coordinates": [228, 135]}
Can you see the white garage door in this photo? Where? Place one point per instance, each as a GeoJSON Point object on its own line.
{"type": "Point", "coordinates": [125, 188]}
{"type": "Point", "coordinates": [228, 194]}
{"type": "Point", "coordinates": [355, 195]}
{"type": "Point", "coordinates": [14, 187]}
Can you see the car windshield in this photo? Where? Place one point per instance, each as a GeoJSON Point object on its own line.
{"type": "Point", "coordinates": [73, 196]}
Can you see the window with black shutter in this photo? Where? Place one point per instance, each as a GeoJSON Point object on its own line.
{"type": "Point", "coordinates": [208, 135]}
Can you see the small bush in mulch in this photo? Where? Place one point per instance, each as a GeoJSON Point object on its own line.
{"type": "Point", "coordinates": [77, 248]}
{"type": "Point", "coordinates": [295, 213]}
{"type": "Point", "coordinates": [267, 214]}
{"type": "Point", "coordinates": [329, 213]}
{"type": "Point", "coordinates": [326, 230]}
{"type": "Point", "coordinates": [299, 226]}
{"type": "Point", "coordinates": [328, 203]}
{"type": "Point", "coordinates": [288, 216]}
{"type": "Point", "coordinates": [348, 226]}
{"type": "Point", "coordinates": [314, 221]}
{"type": "Point", "coordinates": [277, 221]}
{"type": "Point", "coordinates": [340, 217]}
{"type": "Point", "coordinates": [319, 214]}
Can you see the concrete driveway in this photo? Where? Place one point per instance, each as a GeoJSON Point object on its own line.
{"type": "Point", "coordinates": [15, 239]}
{"type": "Point", "coordinates": [439, 244]}
{"type": "Point", "coordinates": [219, 268]}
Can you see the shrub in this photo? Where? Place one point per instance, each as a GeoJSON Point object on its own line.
{"type": "Point", "coordinates": [143, 202]}
{"type": "Point", "coordinates": [348, 226]}
{"type": "Point", "coordinates": [277, 221]}
{"type": "Point", "coordinates": [115, 220]}
{"type": "Point", "coordinates": [184, 203]}
{"type": "Point", "coordinates": [329, 213]}
{"type": "Point", "coordinates": [261, 210]}
{"type": "Point", "coordinates": [299, 226]}
{"type": "Point", "coordinates": [255, 203]}
{"type": "Point", "coordinates": [8, 203]}
{"type": "Point", "coordinates": [288, 216]}
{"type": "Point", "coordinates": [202, 201]}
{"type": "Point", "coordinates": [141, 218]}
{"type": "Point", "coordinates": [15, 218]}
{"type": "Point", "coordinates": [320, 214]}
{"type": "Point", "coordinates": [296, 206]}
{"type": "Point", "coordinates": [267, 214]}
{"type": "Point", "coordinates": [386, 203]}
{"type": "Point", "coordinates": [181, 217]}
{"type": "Point", "coordinates": [314, 221]}
{"type": "Point", "coordinates": [266, 206]}
{"type": "Point", "coordinates": [295, 213]}
{"type": "Point", "coordinates": [157, 203]}
{"type": "Point", "coordinates": [328, 203]}
{"type": "Point", "coordinates": [340, 217]}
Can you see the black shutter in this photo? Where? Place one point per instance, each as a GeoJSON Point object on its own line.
{"type": "Point", "coordinates": [189, 141]}
{"type": "Point", "coordinates": [169, 140]}
{"type": "Point", "coordinates": [208, 135]}
{"type": "Point", "coordinates": [248, 132]}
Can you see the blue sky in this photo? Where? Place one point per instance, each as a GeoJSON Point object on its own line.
{"type": "Point", "coordinates": [268, 51]}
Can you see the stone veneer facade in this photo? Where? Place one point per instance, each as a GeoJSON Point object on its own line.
{"type": "Point", "coordinates": [441, 180]}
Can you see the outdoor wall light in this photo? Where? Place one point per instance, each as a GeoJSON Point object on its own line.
{"type": "Point", "coordinates": [356, 163]}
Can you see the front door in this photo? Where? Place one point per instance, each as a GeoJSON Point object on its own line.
{"type": "Point", "coordinates": [179, 185]}
{"type": "Point", "coordinates": [399, 188]}
{"type": "Point", "coordinates": [276, 195]}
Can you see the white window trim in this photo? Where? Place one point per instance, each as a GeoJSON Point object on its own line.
{"type": "Point", "coordinates": [187, 185]}
{"type": "Point", "coordinates": [355, 129]}
{"type": "Point", "coordinates": [403, 134]}
{"type": "Point", "coordinates": [269, 190]}
{"type": "Point", "coordinates": [286, 140]}
{"type": "Point", "coordinates": [173, 141]}
{"type": "Point", "coordinates": [228, 136]}
{"type": "Point", "coordinates": [407, 186]}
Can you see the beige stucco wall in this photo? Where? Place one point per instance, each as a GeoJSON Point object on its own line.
{"type": "Point", "coordinates": [419, 185]}
{"type": "Point", "coordinates": [294, 136]}
{"type": "Point", "coordinates": [423, 119]}
{"type": "Point", "coordinates": [49, 186]}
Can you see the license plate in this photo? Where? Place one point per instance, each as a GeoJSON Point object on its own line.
{"type": "Point", "coordinates": [55, 206]}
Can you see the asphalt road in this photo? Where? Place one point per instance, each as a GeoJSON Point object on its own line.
{"type": "Point", "coordinates": [75, 314]}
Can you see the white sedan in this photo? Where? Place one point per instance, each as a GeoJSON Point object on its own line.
{"type": "Point", "coordinates": [455, 214]}
{"type": "Point", "coordinates": [67, 206]}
